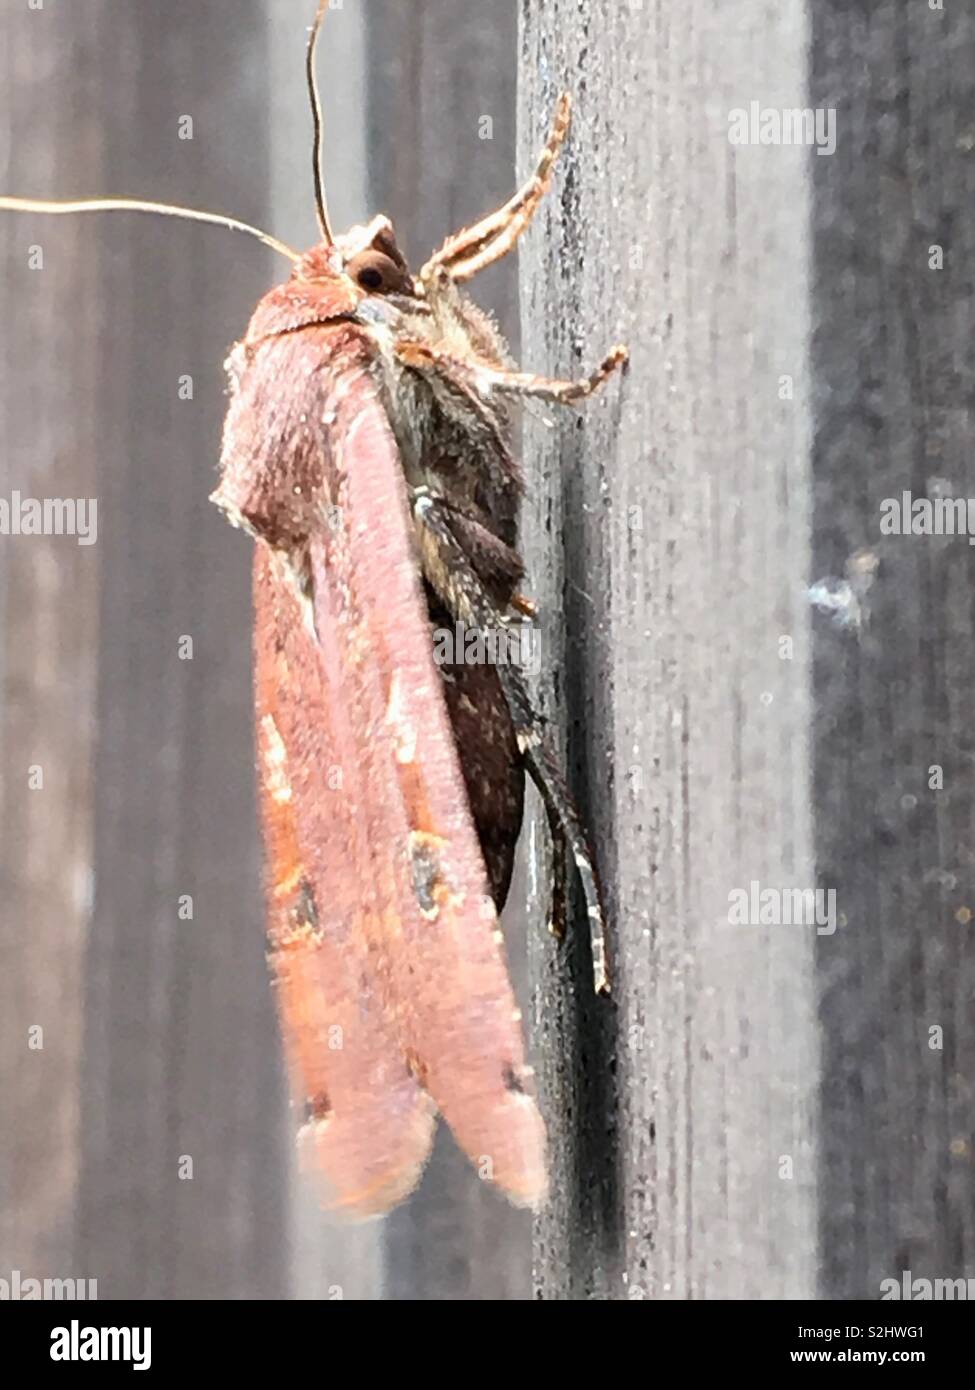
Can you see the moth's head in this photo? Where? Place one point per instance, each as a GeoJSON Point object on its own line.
{"type": "Point", "coordinates": [368, 256]}
{"type": "Point", "coordinates": [365, 260]}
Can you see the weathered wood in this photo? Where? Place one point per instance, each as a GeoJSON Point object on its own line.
{"type": "Point", "coordinates": [50, 427]}
{"type": "Point", "coordinates": [670, 528]}
{"type": "Point", "coordinates": [893, 401]}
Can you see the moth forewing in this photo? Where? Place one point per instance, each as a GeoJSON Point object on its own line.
{"type": "Point", "coordinates": [391, 856]}
{"type": "Point", "coordinates": [365, 1124]}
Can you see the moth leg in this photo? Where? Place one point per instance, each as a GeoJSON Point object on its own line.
{"type": "Point", "coordinates": [472, 249]}
{"type": "Point", "coordinates": [422, 357]}
{"type": "Point", "coordinates": [455, 580]}
{"type": "Point", "coordinates": [561, 392]}
{"type": "Point", "coordinates": [558, 911]}
{"type": "Point", "coordinates": [568, 835]}
{"type": "Point", "coordinates": [522, 604]}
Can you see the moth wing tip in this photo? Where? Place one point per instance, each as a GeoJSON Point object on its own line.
{"type": "Point", "coordinates": [350, 1194]}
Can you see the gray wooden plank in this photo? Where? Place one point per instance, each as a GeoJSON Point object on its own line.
{"type": "Point", "coordinates": [893, 398]}
{"type": "Point", "coordinates": [669, 526]}
{"type": "Point", "coordinates": [50, 427]}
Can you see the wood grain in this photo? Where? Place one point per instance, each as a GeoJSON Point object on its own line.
{"type": "Point", "coordinates": [671, 531]}
{"type": "Point", "coordinates": [893, 400]}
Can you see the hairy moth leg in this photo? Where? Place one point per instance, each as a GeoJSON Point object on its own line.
{"type": "Point", "coordinates": [471, 250]}
{"type": "Point", "coordinates": [465, 596]}
{"type": "Point", "coordinates": [562, 392]}
{"type": "Point", "coordinates": [422, 357]}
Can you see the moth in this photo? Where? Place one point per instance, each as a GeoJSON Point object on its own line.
{"type": "Point", "coordinates": [367, 449]}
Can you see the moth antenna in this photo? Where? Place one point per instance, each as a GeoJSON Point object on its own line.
{"type": "Point", "coordinates": [321, 207]}
{"type": "Point", "coordinates": [216, 219]}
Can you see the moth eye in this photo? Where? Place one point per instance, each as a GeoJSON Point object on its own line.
{"type": "Point", "coordinates": [376, 273]}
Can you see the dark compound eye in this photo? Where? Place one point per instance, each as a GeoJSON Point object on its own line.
{"type": "Point", "coordinates": [378, 273]}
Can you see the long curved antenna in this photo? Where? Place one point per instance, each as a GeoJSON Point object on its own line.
{"type": "Point", "coordinates": [136, 205]}
{"type": "Point", "coordinates": [321, 207]}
